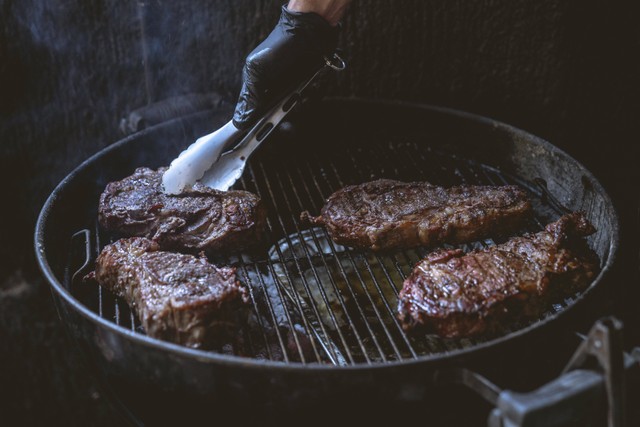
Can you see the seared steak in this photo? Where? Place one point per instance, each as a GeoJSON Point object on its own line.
{"type": "Point", "coordinates": [198, 219]}
{"type": "Point", "coordinates": [457, 295]}
{"type": "Point", "coordinates": [178, 298]}
{"type": "Point", "coordinates": [387, 214]}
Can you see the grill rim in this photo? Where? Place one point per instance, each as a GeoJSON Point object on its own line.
{"type": "Point", "coordinates": [246, 362]}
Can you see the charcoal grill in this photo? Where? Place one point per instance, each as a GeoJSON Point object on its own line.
{"type": "Point", "coordinates": [323, 318]}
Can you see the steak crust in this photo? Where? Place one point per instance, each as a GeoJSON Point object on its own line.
{"type": "Point", "coordinates": [197, 219]}
{"type": "Point", "coordinates": [387, 214]}
{"type": "Point", "coordinates": [179, 298]}
{"type": "Point", "coordinates": [457, 295]}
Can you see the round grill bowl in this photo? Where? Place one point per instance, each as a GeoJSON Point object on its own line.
{"type": "Point", "coordinates": [336, 142]}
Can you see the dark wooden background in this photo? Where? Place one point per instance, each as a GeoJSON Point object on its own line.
{"type": "Point", "coordinates": [70, 70]}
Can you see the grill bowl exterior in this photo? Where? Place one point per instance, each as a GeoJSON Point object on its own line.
{"type": "Point", "coordinates": [136, 365]}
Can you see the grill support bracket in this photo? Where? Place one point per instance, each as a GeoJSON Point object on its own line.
{"type": "Point", "coordinates": [579, 390]}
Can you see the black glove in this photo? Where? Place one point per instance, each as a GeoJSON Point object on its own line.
{"type": "Point", "coordinates": [293, 50]}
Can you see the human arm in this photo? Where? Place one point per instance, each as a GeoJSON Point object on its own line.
{"type": "Point", "coordinates": [331, 10]}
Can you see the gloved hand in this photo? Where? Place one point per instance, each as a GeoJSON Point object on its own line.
{"type": "Point", "coordinates": [294, 49]}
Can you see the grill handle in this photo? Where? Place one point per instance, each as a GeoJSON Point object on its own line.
{"type": "Point", "coordinates": [576, 392]}
{"type": "Point", "coordinates": [167, 109]}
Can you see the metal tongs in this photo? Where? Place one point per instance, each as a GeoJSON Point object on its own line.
{"type": "Point", "coordinates": [217, 160]}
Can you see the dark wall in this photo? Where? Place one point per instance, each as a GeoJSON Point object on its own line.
{"type": "Point", "coordinates": [70, 70]}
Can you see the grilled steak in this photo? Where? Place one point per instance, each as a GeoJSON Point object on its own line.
{"type": "Point", "coordinates": [198, 219]}
{"type": "Point", "coordinates": [456, 295]}
{"type": "Point", "coordinates": [177, 297]}
{"type": "Point", "coordinates": [386, 214]}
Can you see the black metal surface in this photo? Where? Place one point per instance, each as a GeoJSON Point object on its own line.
{"type": "Point", "coordinates": [340, 143]}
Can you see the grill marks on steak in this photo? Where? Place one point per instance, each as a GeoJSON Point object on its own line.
{"type": "Point", "coordinates": [179, 298]}
{"type": "Point", "coordinates": [387, 214]}
{"type": "Point", "coordinates": [457, 295]}
{"type": "Point", "coordinates": [198, 219]}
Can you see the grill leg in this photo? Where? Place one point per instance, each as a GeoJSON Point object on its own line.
{"type": "Point", "coordinates": [575, 394]}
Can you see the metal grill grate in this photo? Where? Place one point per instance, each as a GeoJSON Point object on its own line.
{"type": "Point", "coordinates": [315, 301]}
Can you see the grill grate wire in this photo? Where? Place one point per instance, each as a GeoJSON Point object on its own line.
{"type": "Point", "coordinates": [313, 300]}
